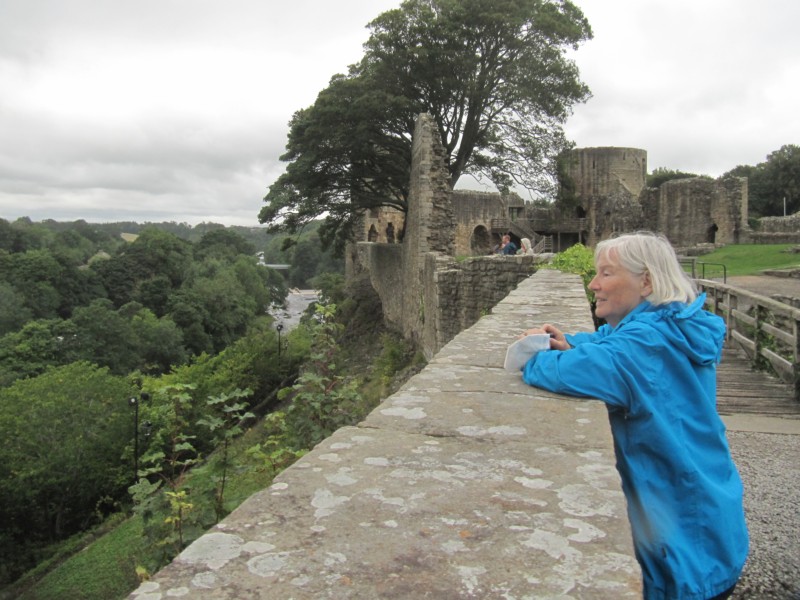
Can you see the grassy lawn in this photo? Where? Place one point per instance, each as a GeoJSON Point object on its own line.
{"type": "Point", "coordinates": [103, 569]}
{"type": "Point", "coordinates": [748, 259]}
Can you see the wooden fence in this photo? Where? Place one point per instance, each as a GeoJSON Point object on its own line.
{"type": "Point", "coordinates": [767, 330]}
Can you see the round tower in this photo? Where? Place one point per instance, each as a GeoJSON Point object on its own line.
{"type": "Point", "coordinates": [607, 171]}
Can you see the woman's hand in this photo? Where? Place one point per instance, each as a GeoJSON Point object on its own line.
{"type": "Point", "coordinates": [557, 339]}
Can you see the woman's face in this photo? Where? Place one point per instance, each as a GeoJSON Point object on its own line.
{"type": "Point", "coordinates": [617, 291]}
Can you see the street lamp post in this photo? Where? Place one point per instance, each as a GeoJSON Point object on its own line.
{"type": "Point", "coordinates": [279, 327]}
{"type": "Point", "coordinates": [134, 402]}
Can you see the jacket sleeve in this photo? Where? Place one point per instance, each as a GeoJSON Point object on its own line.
{"type": "Point", "coordinates": [574, 339]}
{"type": "Point", "coordinates": [615, 369]}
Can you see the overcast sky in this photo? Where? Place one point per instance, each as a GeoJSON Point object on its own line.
{"type": "Point", "coordinates": [177, 110]}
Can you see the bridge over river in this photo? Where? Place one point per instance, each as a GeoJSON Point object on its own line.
{"type": "Point", "coordinates": [467, 483]}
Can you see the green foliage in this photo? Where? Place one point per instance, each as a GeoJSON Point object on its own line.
{"type": "Point", "coordinates": [577, 259]}
{"type": "Point", "coordinates": [276, 452]}
{"type": "Point", "coordinates": [751, 259]}
{"type": "Point", "coordinates": [322, 400]}
{"type": "Point", "coordinates": [224, 244]}
{"type": "Point", "coordinates": [305, 254]}
{"type": "Point", "coordinates": [13, 312]}
{"type": "Point", "coordinates": [394, 356]}
{"type": "Point", "coordinates": [101, 564]}
{"type": "Point", "coordinates": [226, 423]}
{"type": "Point", "coordinates": [163, 514]}
{"type": "Point", "coordinates": [330, 288]}
{"type": "Point", "coordinates": [662, 175]}
{"type": "Point", "coordinates": [772, 181]}
{"type": "Point", "coordinates": [31, 350]}
{"type": "Point", "coordinates": [63, 435]}
{"type": "Point", "coordinates": [160, 496]}
{"type": "Point", "coordinates": [494, 75]}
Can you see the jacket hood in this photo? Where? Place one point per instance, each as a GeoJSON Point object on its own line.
{"type": "Point", "coordinates": [692, 330]}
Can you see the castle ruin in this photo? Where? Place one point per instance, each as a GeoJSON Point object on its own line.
{"type": "Point", "coordinates": [433, 268]}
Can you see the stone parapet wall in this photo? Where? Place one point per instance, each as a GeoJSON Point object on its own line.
{"type": "Point", "coordinates": [458, 294]}
{"type": "Point", "coordinates": [448, 297]}
{"type": "Point", "coordinates": [466, 483]}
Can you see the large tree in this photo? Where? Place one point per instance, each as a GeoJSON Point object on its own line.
{"type": "Point", "coordinates": [64, 433]}
{"type": "Point", "coordinates": [773, 182]}
{"type": "Point", "coordinates": [494, 74]}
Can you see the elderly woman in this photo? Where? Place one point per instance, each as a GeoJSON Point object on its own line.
{"type": "Point", "coordinates": [654, 365]}
{"type": "Point", "coordinates": [525, 247]}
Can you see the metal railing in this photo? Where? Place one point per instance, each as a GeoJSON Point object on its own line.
{"type": "Point", "coordinates": [766, 329]}
{"type": "Point", "coordinates": [544, 245]}
{"type": "Point", "coordinates": [691, 265]}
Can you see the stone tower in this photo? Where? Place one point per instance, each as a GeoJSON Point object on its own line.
{"type": "Point", "coordinates": [607, 171]}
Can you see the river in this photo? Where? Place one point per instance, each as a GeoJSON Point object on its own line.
{"type": "Point", "coordinates": [296, 303]}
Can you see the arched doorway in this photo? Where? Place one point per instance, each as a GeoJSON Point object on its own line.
{"type": "Point", "coordinates": [480, 242]}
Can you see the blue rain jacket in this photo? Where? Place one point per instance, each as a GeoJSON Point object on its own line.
{"type": "Point", "coordinates": [656, 372]}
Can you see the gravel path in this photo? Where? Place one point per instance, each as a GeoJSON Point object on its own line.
{"type": "Point", "coordinates": [767, 285]}
{"type": "Point", "coordinates": [769, 464]}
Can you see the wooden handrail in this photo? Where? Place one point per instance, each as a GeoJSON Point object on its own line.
{"type": "Point", "coordinates": [767, 330]}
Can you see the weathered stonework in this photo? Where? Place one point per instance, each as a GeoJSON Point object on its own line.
{"type": "Point", "coordinates": [777, 230]}
{"type": "Point", "coordinates": [607, 171]}
{"type": "Point", "coordinates": [480, 217]}
{"type": "Point", "coordinates": [430, 296]}
{"type": "Point", "coordinates": [609, 190]}
{"type": "Point", "coordinates": [699, 210]}
{"type": "Point", "coordinates": [426, 293]}
{"type": "Point", "coordinates": [466, 483]}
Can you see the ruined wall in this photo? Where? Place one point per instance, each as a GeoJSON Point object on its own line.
{"type": "Point", "coordinates": [383, 225]}
{"type": "Point", "coordinates": [482, 217]}
{"type": "Point", "coordinates": [616, 213]}
{"type": "Point", "coordinates": [474, 213]}
{"type": "Point", "coordinates": [426, 294]}
{"type": "Point", "coordinates": [429, 222]}
{"type": "Point", "coordinates": [778, 230]}
{"type": "Point", "coordinates": [458, 294]}
{"type": "Point", "coordinates": [698, 210]}
{"type": "Point", "coordinates": [609, 188]}
{"type": "Point", "coordinates": [607, 171]}
{"type": "Point", "coordinates": [383, 265]}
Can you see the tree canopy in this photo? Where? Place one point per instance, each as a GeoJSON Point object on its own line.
{"type": "Point", "coordinates": [496, 78]}
{"type": "Point", "coordinates": [772, 182]}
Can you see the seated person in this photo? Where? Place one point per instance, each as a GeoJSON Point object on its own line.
{"type": "Point", "coordinates": [509, 247]}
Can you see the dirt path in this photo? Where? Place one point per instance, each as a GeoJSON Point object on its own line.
{"type": "Point", "coordinates": [768, 285]}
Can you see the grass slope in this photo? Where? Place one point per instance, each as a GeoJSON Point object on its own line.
{"type": "Point", "coordinates": [751, 259]}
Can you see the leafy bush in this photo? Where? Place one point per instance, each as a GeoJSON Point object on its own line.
{"type": "Point", "coordinates": [322, 400]}
{"type": "Point", "coordinates": [577, 259]}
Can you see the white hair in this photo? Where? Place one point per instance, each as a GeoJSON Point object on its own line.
{"type": "Point", "coordinates": [646, 252]}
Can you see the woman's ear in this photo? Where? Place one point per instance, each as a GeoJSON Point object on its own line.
{"type": "Point", "coordinates": [647, 284]}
